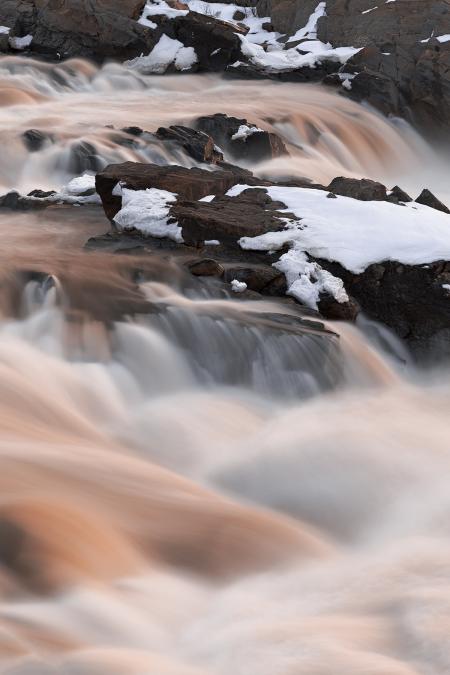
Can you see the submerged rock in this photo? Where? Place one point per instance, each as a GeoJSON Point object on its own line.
{"type": "Point", "coordinates": [35, 139]}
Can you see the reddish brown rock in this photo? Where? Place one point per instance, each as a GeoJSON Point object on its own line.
{"type": "Point", "coordinates": [191, 184]}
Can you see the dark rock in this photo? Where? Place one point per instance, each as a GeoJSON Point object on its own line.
{"type": "Point", "coordinates": [364, 189]}
{"type": "Point", "coordinates": [410, 299]}
{"type": "Point", "coordinates": [16, 202]}
{"type": "Point", "coordinates": [68, 28]}
{"type": "Point", "coordinates": [216, 42]}
{"type": "Point", "coordinates": [133, 131]}
{"type": "Point", "coordinates": [239, 15]}
{"type": "Point", "coordinates": [41, 194]}
{"type": "Point", "coordinates": [206, 267]}
{"type": "Point", "coordinates": [259, 146]}
{"type": "Point", "coordinates": [331, 309]}
{"type": "Point", "coordinates": [226, 218]}
{"type": "Point", "coordinates": [197, 144]}
{"type": "Point", "coordinates": [260, 278]}
{"type": "Point", "coordinates": [428, 199]}
{"type": "Point", "coordinates": [400, 69]}
{"type": "Point", "coordinates": [192, 184]}
{"type": "Point", "coordinates": [83, 157]}
{"type": "Point", "coordinates": [35, 139]}
{"type": "Point", "coordinates": [398, 196]}
{"type": "Point", "coordinates": [287, 16]}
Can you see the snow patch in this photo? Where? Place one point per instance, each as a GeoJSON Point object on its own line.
{"type": "Point", "coordinates": [165, 53]}
{"type": "Point", "coordinates": [353, 233]}
{"type": "Point", "coordinates": [20, 42]}
{"type": "Point", "coordinates": [244, 132]}
{"type": "Point", "coordinates": [148, 212]}
{"type": "Point", "coordinates": [238, 286]}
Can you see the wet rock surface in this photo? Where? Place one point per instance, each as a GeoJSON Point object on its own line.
{"type": "Point", "coordinates": [410, 299]}
{"type": "Point", "coordinates": [402, 67]}
{"type": "Point", "coordinates": [197, 144]}
{"type": "Point", "coordinates": [242, 139]}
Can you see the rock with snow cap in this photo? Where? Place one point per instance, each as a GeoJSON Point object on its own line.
{"type": "Point", "coordinates": [186, 183]}
{"type": "Point", "coordinates": [197, 144]}
{"type": "Point", "coordinates": [241, 139]}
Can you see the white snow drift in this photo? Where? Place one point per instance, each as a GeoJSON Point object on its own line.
{"type": "Point", "coordinates": [165, 53]}
{"type": "Point", "coordinates": [353, 233]}
{"type": "Point", "coordinates": [148, 212]}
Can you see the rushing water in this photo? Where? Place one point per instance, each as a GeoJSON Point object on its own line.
{"type": "Point", "coordinates": [77, 103]}
{"type": "Point", "coordinates": [216, 485]}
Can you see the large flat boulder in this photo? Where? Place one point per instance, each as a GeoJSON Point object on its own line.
{"type": "Point", "coordinates": [226, 219]}
{"type": "Point", "coordinates": [242, 139]}
{"type": "Point", "coordinates": [188, 184]}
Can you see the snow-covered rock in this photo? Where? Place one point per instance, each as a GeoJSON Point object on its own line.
{"type": "Point", "coordinates": [147, 211]}
{"type": "Point", "coordinates": [167, 52]}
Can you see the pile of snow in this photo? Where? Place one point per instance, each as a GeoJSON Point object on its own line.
{"type": "Point", "coordinates": [81, 184]}
{"type": "Point", "coordinates": [20, 43]}
{"type": "Point", "coordinates": [238, 286]}
{"type": "Point", "coordinates": [262, 48]}
{"type": "Point", "coordinates": [165, 53]}
{"type": "Point", "coordinates": [310, 30]}
{"type": "Point", "coordinates": [4, 30]}
{"type": "Point", "coordinates": [440, 38]}
{"type": "Point", "coordinates": [244, 132]}
{"type": "Point", "coordinates": [354, 233]}
{"type": "Point", "coordinates": [80, 190]}
{"type": "Point", "coordinates": [148, 212]}
{"type": "Point", "coordinates": [159, 8]}
{"type": "Point", "coordinates": [292, 59]}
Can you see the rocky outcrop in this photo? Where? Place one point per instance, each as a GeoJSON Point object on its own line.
{"type": "Point", "coordinates": [413, 300]}
{"type": "Point", "coordinates": [429, 199]}
{"type": "Point", "coordinates": [190, 184]}
{"type": "Point", "coordinates": [68, 28]}
{"type": "Point", "coordinates": [287, 16]}
{"type": "Point", "coordinates": [216, 43]}
{"type": "Point", "coordinates": [226, 219]}
{"type": "Point", "coordinates": [403, 67]}
{"type": "Point", "coordinates": [242, 139]}
{"type": "Point", "coordinates": [410, 299]}
{"type": "Point", "coordinates": [364, 189]}
{"type": "Point", "coordinates": [197, 144]}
